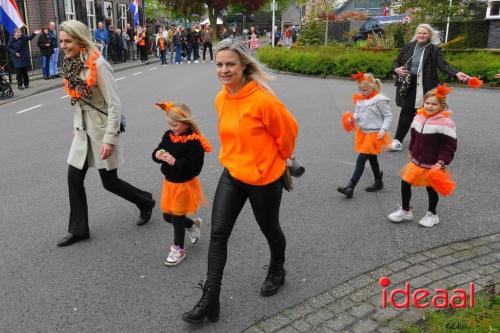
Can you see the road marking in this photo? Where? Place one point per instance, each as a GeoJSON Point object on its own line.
{"type": "Point", "coordinates": [120, 78]}
{"type": "Point", "coordinates": [31, 108]}
{"type": "Point", "coordinates": [63, 97]}
{"type": "Point", "coordinates": [137, 73]}
{"type": "Point", "coordinates": [152, 69]}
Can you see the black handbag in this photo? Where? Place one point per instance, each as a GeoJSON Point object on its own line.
{"type": "Point", "coordinates": [403, 82]}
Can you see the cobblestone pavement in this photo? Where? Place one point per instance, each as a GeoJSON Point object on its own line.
{"type": "Point", "coordinates": [354, 306]}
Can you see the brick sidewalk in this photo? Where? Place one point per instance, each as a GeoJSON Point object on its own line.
{"type": "Point", "coordinates": [355, 305]}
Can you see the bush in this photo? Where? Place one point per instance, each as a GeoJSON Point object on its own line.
{"type": "Point", "coordinates": [344, 61]}
{"type": "Point", "coordinates": [313, 33]}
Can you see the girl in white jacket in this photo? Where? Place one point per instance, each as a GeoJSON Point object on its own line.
{"type": "Point", "coordinates": [372, 118]}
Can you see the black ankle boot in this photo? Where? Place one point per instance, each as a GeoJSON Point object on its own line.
{"type": "Point", "coordinates": [274, 280]}
{"type": "Point", "coordinates": [377, 185]}
{"type": "Point", "coordinates": [348, 190]}
{"type": "Point", "coordinates": [207, 307]}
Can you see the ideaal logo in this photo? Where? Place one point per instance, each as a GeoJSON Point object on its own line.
{"type": "Point", "coordinates": [419, 297]}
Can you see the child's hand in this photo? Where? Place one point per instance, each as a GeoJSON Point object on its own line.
{"type": "Point", "coordinates": [381, 134]}
{"type": "Point", "coordinates": [167, 158]}
{"type": "Point", "coordinates": [438, 165]}
{"type": "Point", "coordinates": [159, 153]}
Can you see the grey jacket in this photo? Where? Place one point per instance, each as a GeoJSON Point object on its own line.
{"type": "Point", "coordinates": [373, 114]}
{"type": "Point", "coordinates": [91, 128]}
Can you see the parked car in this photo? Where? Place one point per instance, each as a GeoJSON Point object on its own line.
{"type": "Point", "coordinates": [375, 25]}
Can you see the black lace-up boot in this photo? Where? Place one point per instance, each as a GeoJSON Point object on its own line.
{"type": "Point", "coordinates": [207, 307]}
{"type": "Point", "coordinates": [377, 185]}
{"type": "Point", "coordinates": [348, 190]}
{"type": "Point", "coordinates": [274, 280]}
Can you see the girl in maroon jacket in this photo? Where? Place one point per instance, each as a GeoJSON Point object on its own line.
{"type": "Point", "coordinates": [432, 147]}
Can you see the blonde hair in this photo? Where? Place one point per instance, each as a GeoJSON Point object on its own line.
{"type": "Point", "coordinates": [434, 35]}
{"type": "Point", "coordinates": [253, 69]}
{"type": "Point", "coordinates": [370, 81]}
{"type": "Point", "coordinates": [81, 33]}
{"type": "Point", "coordinates": [441, 99]}
{"type": "Point", "coordinates": [182, 113]}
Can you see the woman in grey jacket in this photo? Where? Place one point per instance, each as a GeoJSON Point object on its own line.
{"type": "Point", "coordinates": [372, 118]}
{"type": "Point", "coordinates": [90, 83]}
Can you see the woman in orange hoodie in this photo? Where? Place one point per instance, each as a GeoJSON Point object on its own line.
{"type": "Point", "coordinates": [257, 135]}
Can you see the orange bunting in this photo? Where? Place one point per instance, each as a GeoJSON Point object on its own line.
{"type": "Point", "coordinates": [474, 82]}
{"type": "Point", "coordinates": [441, 181]}
{"type": "Point", "coordinates": [359, 76]}
{"type": "Point", "coordinates": [348, 121]}
{"type": "Point", "coordinates": [442, 91]}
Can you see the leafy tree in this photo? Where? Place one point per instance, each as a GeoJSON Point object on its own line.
{"type": "Point", "coordinates": [440, 10]}
{"type": "Point", "coordinates": [154, 9]}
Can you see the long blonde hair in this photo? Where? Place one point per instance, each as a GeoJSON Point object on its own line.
{"type": "Point", "coordinates": [81, 33]}
{"type": "Point", "coordinates": [370, 81]}
{"type": "Point", "coordinates": [434, 35]}
{"type": "Point", "coordinates": [253, 69]}
{"type": "Point", "coordinates": [182, 113]}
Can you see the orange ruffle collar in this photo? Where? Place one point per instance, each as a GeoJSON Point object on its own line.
{"type": "Point", "coordinates": [184, 138]}
{"type": "Point", "coordinates": [359, 97]}
{"type": "Point", "coordinates": [91, 78]}
{"type": "Point", "coordinates": [425, 114]}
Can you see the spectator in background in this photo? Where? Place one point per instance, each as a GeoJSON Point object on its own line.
{"type": "Point", "coordinates": [131, 47]}
{"type": "Point", "coordinates": [161, 45]}
{"type": "Point", "coordinates": [119, 46]}
{"type": "Point", "coordinates": [142, 43]}
{"type": "Point", "coordinates": [253, 41]}
{"type": "Point", "coordinates": [125, 40]}
{"type": "Point", "coordinates": [206, 38]}
{"type": "Point", "coordinates": [193, 41]}
{"type": "Point", "coordinates": [171, 45]}
{"type": "Point", "coordinates": [224, 34]}
{"type": "Point", "coordinates": [287, 40]}
{"type": "Point", "coordinates": [46, 52]}
{"type": "Point", "coordinates": [113, 45]}
{"type": "Point", "coordinates": [102, 39]}
{"type": "Point", "coordinates": [20, 55]}
{"type": "Point", "coordinates": [54, 58]}
{"type": "Point", "coordinates": [277, 36]}
{"type": "Point", "coordinates": [295, 32]}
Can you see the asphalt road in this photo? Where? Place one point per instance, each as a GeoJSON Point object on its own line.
{"type": "Point", "coordinates": [116, 281]}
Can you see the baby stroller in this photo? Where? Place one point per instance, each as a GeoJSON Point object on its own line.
{"type": "Point", "coordinates": [5, 87]}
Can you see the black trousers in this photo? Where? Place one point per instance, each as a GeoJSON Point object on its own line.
{"type": "Point", "coordinates": [208, 45]}
{"type": "Point", "coordinates": [360, 167]}
{"type": "Point", "coordinates": [180, 224]}
{"type": "Point", "coordinates": [22, 77]}
{"type": "Point", "coordinates": [406, 197]}
{"type": "Point", "coordinates": [408, 111]}
{"type": "Point", "coordinates": [143, 51]}
{"type": "Point", "coordinates": [230, 197]}
{"type": "Point", "coordinates": [78, 217]}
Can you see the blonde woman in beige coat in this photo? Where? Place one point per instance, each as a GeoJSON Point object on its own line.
{"type": "Point", "coordinates": [90, 83]}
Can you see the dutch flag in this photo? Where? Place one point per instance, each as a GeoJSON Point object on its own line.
{"type": "Point", "coordinates": [134, 9]}
{"type": "Point", "coordinates": [10, 17]}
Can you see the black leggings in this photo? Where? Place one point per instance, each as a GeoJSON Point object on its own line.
{"type": "Point", "coordinates": [406, 196]}
{"type": "Point", "coordinates": [180, 223]}
{"type": "Point", "coordinates": [360, 167]}
{"type": "Point", "coordinates": [207, 45]}
{"type": "Point", "coordinates": [22, 77]}
{"type": "Point", "coordinates": [408, 111]}
{"type": "Point", "coordinates": [78, 217]}
{"type": "Point", "coordinates": [230, 197]}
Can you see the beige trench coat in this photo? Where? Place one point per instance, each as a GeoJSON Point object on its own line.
{"type": "Point", "coordinates": [91, 128]}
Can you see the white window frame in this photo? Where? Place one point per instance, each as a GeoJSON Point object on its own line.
{"type": "Point", "coordinates": [105, 14]}
{"type": "Point", "coordinates": [69, 9]}
{"type": "Point", "coordinates": [122, 12]}
{"type": "Point", "coordinates": [488, 10]}
{"type": "Point", "coordinates": [91, 16]}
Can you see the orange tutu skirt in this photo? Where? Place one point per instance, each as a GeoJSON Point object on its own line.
{"type": "Point", "coordinates": [182, 198]}
{"type": "Point", "coordinates": [415, 175]}
{"type": "Point", "coordinates": [368, 143]}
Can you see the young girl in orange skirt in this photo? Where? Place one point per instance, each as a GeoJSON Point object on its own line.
{"type": "Point", "coordinates": [181, 153]}
{"type": "Point", "coordinates": [432, 147]}
{"type": "Point", "coordinates": [372, 118]}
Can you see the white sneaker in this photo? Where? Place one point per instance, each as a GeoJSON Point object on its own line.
{"type": "Point", "coordinates": [211, 61]}
{"type": "Point", "coordinates": [196, 62]}
{"type": "Point", "coordinates": [203, 61]}
{"type": "Point", "coordinates": [429, 220]}
{"type": "Point", "coordinates": [396, 145]}
{"type": "Point", "coordinates": [175, 256]}
{"type": "Point", "coordinates": [189, 61]}
{"type": "Point", "coordinates": [400, 215]}
{"type": "Point", "coordinates": [194, 231]}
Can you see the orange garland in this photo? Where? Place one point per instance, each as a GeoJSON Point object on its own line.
{"type": "Point", "coordinates": [91, 79]}
{"type": "Point", "coordinates": [359, 97]}
{"type": "Point", "coordinates": [184, 138]}
{"type": "Point", "coordinates": [425, 114]}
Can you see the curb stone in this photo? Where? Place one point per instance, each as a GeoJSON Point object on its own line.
{"type": "Point", "coordinates": [355, 305]}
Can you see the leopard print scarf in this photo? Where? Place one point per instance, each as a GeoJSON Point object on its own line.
{"type": "Point", "coordinates": [71, 68]}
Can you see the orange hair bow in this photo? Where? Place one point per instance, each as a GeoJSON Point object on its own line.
{"type": "Point", "coordinates": [442, 91]}
{"type": "Point", "coordinates": [165, 106]}
{"type": "Point", "coordinates": [359, 76]}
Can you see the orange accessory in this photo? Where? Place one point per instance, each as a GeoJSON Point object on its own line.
{"type": "Point", "coordinates": [142, 39]}
{"type": "Point", "coordinates": [162, 43]}
{"type": "Point", "coordinates": [359, 97]}
{"type": "Point", "coordinates": [424, 113]}
{"type": "Point", "coordinates": [348, 121]}
{"type": "Point", "coordinates": [369, 143]}
{"type": "Point", "coordinates": [441, 181]}
{"type": "Point", "coordinates": [184, 138]}
{"type": "Point", "coordinates": [474, 82]}
{"type": "Point", "coordinates": [91, 78]}
{"type": "Point", "coordinates": [442, 91]}
{"type": "Point", "coordinates": [170, 107]}
{"type": "Point", "coordinates": [359, 76]}
{"type": "Point", "coordinates": [182, 198]}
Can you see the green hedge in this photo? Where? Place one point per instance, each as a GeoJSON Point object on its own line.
{"type": "Point", "coordinates": [344, 61]}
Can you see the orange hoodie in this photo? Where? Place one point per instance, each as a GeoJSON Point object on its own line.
{"type": "Point", "coordinates": [257, 134]}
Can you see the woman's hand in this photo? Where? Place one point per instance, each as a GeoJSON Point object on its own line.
{"type": "Point", "coordinates": [18, 55]}
{"type": "Point", "coordinates": [381, 134]}
{"type": "Point", "coordinates": [462, 76]}
{"type": "Point", "coordinates": [167, 158]}
{"type": "Point", "coordinates": [402, 71]}
{"type": "Point", "coordinates": [37, 32]}
{"type": "Point", "coordinates": [106, 150]}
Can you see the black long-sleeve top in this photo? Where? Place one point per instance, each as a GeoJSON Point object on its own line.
{"type": "Point", "coordinates": [189, 157]}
